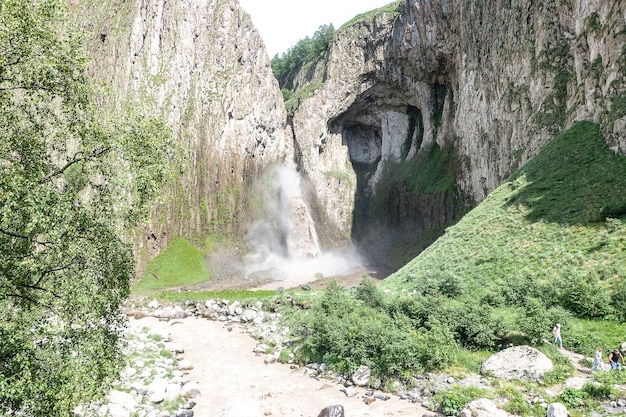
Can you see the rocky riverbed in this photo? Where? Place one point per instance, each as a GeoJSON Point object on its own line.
{"type": "Point", "coordinates": [222, 358]}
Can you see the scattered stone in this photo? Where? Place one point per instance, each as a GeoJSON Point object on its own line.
{"type": "Point", "coordinates": [184, 412]}
{"type": "Point", "coordinates": [332, 411]}
{"type": "Point", "coordinates": [350, 392]}
{"type": "Point", "coordinates": [172, 392]}
{"type": "Point", "coordinates": [261, 348]}
{"type": "Point", "coordinates": [156, 390]}
{"type": "Point", "coordinates": [361, 376]}
{"type": "Point", "coordinates": [190, 390]}
{"type": "Point", "coordinates": [482, 407]}
{"type": "Point", "coordinates": [557, 410]}
{"type": "Point", "coordinates": [185, 365]}
{"type": "Point", "coordinates": [269, 359]}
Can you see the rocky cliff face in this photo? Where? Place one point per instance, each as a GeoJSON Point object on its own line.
{"type": "Point", "coordinates": [414, 118]}
{"type": "Point", "coordinates": [418, 115]}
{"type": "Point", "coordinates": [202, 66]}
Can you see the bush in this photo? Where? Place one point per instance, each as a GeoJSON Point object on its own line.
{"type": "Point", "coordinates": [475, 327]}
{"type": "Point", "coordinates": [370, 295]}
{"type": "Point", "coordinates": [536, 323]}
{"type": "Point", "coordinates": [437, 345]}
{"type": "Point", "coordinates": [346, 333]}
{"type": "Point", "coordinates": [456, 398]}
{"type": "Point", "coordinates": [584, 296]}
{"type": "Point", "coordinates": [572, 398]}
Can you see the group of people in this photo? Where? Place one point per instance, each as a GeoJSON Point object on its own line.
{"type": "Point", "coordinates": [616, 359]}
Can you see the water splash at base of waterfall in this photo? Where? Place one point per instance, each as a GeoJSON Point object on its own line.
{"type": "Point", "coordinates": [284, 240]}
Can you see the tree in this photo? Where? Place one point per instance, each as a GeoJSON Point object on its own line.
{"type": "Point", "coordinates": [72, 179]}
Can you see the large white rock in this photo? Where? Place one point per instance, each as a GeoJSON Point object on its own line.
{"type": "Point", "coordinates": [557, 410]}
{"type": "Point", "coordinates": [482, 407]}
{"type": "Point", "coordinates": [361, 376]}
{"type": "Point", "coordinates": [190, 390]}
{"type": "Point", "coordinates": [518, 362]}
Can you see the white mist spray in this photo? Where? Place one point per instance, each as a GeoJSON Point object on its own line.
{"type": "Point", "coordinates": [284, 240]}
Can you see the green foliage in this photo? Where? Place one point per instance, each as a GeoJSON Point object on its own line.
{"type": "Point", "coordinates": [583, 295]}
{"type": "Point", "coordinates": [302, 53]}
{"type": "Point", "coordinates": [599, 391]}
{"type": "Point", "coordinates": [437, 345]}
{"type": "Point", "coordinates": [612, 377]}
{"type": "Point", "coordinates": [454, 399]}
{"type": "Point", "coordinates": [477, 328]}
{"type": "Point", "coordinates": [391, 8]}
{"type": "Point", "coordinates": [572, 397]}
{"type": "Point", "coordinates": [71, 178]}
{"type": "Point", "coordinates": [536, 322]}
{"type": "Point", "coordinates": [515, 404]}
{"type": "Point", "coordinates": [432, 174]}
{"type": "Point", "coordinates": [370, 295]}
{"type": "Point", "coordinates": [555, 232]}
{"type": "Point", "coordinates": [179, 264]}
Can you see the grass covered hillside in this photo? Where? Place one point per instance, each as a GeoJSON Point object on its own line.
{"type": "Point", "coordinates": [555, 232]}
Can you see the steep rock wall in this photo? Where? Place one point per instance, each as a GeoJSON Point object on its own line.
{"type": "Point", "coordinates": [417, 116]}
{"type": "Point", "coordinates": [202, 66]}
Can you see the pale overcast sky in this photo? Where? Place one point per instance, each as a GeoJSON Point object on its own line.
{"type": "Point", "coordinates": [282, 23]}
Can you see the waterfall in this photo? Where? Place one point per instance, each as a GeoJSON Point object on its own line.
{"type": "Point", "coordinates": [283, 240]}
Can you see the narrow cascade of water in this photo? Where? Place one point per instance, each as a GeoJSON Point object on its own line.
{"type": "Point", "coordinates": [285, 227]}
{"type": "Point", "coordinates": [283, 240]}
{"type": "Point", "coordinates": [299, 228]}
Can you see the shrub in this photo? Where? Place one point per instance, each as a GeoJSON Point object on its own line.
{"type": "Point", "coordinates": [536, 322]}
{"type": "Point", "coordinates": [584, 296]}
{"type": "Point", "coordinates": [475, 327]}
{"type": "Point", "coordinates": [572, 397]}
{"type": "Point", "coordinates": [369, 294]}
{"type": "Point", "coordinates": [437, 345]}
{"type": "Point", "coordinates": [346, 333]}
{"type": "Point", "coordinates": [456, 398]}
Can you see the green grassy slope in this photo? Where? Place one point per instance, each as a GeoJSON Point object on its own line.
{"type": "Point", "coordinates": [180, 263]}
{"type": "Point", "coordinates": [562, 215]}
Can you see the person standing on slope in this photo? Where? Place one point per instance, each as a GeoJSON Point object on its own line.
{"type": "Point", "coordinates": [615, 358]}
{"type": "Point", "coordinates": [598, 363]}
{"type": "Point", "coordinates": [556, 335]}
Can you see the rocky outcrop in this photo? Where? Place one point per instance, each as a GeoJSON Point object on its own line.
{"type": "Point", "coordinates": [411, 118]}
{"type": "Point", "coordinates": [418, 115]}
{"type": "Point", "coordinates": [202, 66]}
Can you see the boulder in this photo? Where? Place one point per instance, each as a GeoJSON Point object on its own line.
{"type": "Point", "coordinates": [557, 410]}
{"type": "Point", "coordinates": [361, 376]}
{"type": "Point", "coordinates": [332, 411]}
{"type": "Point", "coordinates": [518, 363]}
{"type": "Point", "coordinates": [482, 407]}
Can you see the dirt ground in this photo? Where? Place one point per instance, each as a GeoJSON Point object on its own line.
{"type": "Point", "coordinates": [229, 373]}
